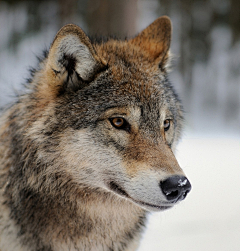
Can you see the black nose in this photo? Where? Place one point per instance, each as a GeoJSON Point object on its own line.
{"type": "Point", "coordinates": [175, 188]}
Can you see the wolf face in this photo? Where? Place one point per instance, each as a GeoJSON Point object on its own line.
{"type": "Point", "coordinates": [111, 116]}
{"type": "Point", "coordinates": [89, 149]}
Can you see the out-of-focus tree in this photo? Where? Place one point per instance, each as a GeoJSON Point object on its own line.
{"type": "Point", "coordinates": [113, 17]}
{"type": "Point", "coordinates": [67, 10]}
{"type": "Point", "coordinates": [234, 16]}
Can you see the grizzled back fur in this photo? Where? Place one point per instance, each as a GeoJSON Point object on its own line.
{"type": "Point", "coordinates": [84, 154]}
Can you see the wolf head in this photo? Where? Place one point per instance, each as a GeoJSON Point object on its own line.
{"type": "Point", "coordinates": [104, 116]}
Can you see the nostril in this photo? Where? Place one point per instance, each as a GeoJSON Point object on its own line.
{"type": "Point", "coordinates": [172, 193]}
{"type": "Point", "coordinates": [175, 188]}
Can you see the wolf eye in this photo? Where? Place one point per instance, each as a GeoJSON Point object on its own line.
{"type": "Point", "coordinates": [166, 124]}
{"type": "Point", "coordinates": [120, 123]}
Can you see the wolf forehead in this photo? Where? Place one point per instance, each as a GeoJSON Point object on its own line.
{"type": "Point", "coordinates": [122, 85]}
{"type": "Point", "coordinates": [129, 75]}
{"type": "Point", "coordinates": [82, 78]}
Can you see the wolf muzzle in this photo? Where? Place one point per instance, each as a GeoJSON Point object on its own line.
{"type": "Point", "coordinates": [175, 188]}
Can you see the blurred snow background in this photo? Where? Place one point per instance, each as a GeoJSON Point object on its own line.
{"type": "Point", "coordinates": [206, 73]}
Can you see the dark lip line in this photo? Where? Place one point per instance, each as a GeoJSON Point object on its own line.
{"type": "Point", "coordinates": [117, 189]}
{"type": "Point", "coordinates": [151, 205]}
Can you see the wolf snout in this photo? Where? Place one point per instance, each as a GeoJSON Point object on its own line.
{"type": "Point", "coordinates": [175, 188]}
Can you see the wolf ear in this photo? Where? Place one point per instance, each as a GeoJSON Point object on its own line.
{"type": "Point", "coordinates": [72, 59]}
{"type": "Point", "coordinates": [155, 40]}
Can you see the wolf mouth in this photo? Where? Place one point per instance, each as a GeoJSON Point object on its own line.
{"type": "Point", "coordinates": [119, 190]}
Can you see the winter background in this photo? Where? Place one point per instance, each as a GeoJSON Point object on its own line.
{"type": "Point", "coordinates": [206, 74]}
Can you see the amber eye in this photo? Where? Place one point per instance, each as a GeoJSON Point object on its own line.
{"type": "Point", "coordinates": [120, 123]}
{"type": "Point", "coordinates": [166, 124]}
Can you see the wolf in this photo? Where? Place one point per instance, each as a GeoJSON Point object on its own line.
{"type": "Point", "coordinates": [87, 151]}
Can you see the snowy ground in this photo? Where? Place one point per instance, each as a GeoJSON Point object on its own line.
{"type": "Point", "coordinates": [209, 219]}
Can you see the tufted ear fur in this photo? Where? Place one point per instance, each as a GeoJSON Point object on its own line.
{"type": "Point", "coordinates": [155, 40]}
{"type": "Point", "coordinates": [72, 60]}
